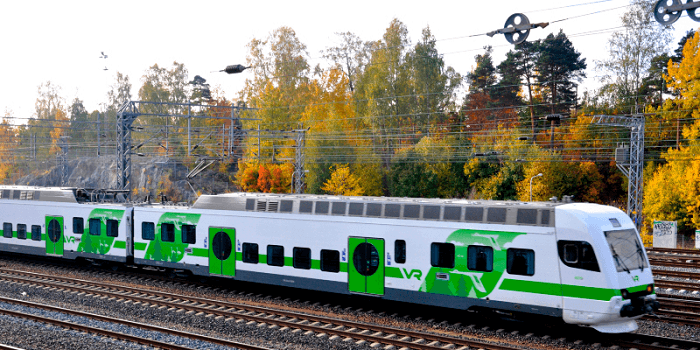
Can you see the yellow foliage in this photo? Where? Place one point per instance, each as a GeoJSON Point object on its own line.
{"type": "Point", "coordinates": [673, 192]}
{"type": "Point", "coordinates": [7, 135]}
{"type": "Point", "coordinates": [59, 130]}
{"type": "Point", "coordinates": [343, 183]}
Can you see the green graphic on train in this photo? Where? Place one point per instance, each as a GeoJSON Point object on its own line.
{"type": "Point", "coordinates": [99, 242]}
{"type": "Point", "coordinates": [170, 251]}
{"type": "Point", "coordinates": [464, 282]}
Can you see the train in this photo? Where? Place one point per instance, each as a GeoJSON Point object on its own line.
{"type": "Point", "coordinates": [582, 263]}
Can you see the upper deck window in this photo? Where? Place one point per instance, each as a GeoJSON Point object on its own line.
{"type": "Point", "coordinates": [626, 250]}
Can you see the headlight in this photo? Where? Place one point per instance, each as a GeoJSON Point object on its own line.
{"type": "Point", "coordinates": [625, 294]}
{"type": "Point", "coordinates": [650, 288]}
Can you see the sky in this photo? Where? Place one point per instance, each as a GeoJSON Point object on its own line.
{"type": "Point", "coordinates": [61, 41]}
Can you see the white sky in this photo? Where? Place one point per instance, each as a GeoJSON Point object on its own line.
{"type": "Point", "coordinates": [61, 41]}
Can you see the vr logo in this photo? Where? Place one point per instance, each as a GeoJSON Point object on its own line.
{"type": "Point", "coordinates": [415, 272]}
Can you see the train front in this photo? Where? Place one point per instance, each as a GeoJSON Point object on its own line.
{"type": "Point", "coordinates": [607, 282]}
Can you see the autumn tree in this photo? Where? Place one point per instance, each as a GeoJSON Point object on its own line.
{"type": "Point", "coordinates": [630, 53]}
{"type": "Point", "coordinates": [433, 83]}
{"type": "Point", "coordinates": [343, 183]}
{"type": "Point", "coordinates": [60, 131]}
{"type": "Point", "coordinates": [427, 170]}
{"type": "Point", "coordinates": [478, 106]}
{"type": "Point", "coordinates": [8, 138]}
{"type": "Point", "coordinates": [48, 105]}
{"type": "Point", "coordinates": [673, 192]}
{"type": "Point", "coordinates": [162, 85]}
{"type": "Point", "coordinates": [81, 130]}
{"type": "Point", "coordinates": [350, 56]}
{"type": "Point", "coordinates": [383, 93]}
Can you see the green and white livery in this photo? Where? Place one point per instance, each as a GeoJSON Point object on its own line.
{"type": "Point", "coordinates": [582, 263]}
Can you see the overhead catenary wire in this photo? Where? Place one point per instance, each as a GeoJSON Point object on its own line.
{"type": "Point", "coordinates": [522, 106]}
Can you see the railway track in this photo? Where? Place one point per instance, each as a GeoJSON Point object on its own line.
{"type": "Point", "coordinates": [677, 274]}
{"type": "Point", "coordinates": [689, 252]}
{"type": "Point", "coordinates": [677, 285]}
{"type": "Point", "coordinates": [342, 330]}
{"type": "Point", "coordinates": [112, 334]}
{"type": "Point", "coordinates": [675, 261]}
{"type": "Point", "coordinates": [684, 311]}
{"type": "Point", "coordinates": [648, 342]}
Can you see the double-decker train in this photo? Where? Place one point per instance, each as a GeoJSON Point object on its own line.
{"type": "Point", "coordinates": [583, 263]}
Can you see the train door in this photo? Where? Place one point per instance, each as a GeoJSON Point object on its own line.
{"type": "Point", "coordinates": [54, 235]}
{"type": "Point", "coordinates": [222, 257]}
{"type": "Point", "coordinates": [366, 272]}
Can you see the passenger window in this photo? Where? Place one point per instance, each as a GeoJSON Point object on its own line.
{"type": "Point", "coordinates": [521, 262]}
{"type": "Point", "coordinates": [250, 253]}
{"type": "Point", "coordinates": [305, 206]}
{"type": "Point", "coordinates": [167, 232]}
{"type": "Point", "coordinates": [442, 255]}
{"type": "Point", "coordinates": [275, 255]}
{"type": "Point", "coordinates": [400, 251]}
{"type": "Point", "coordinates": [330, 260]}
{"type": "Point", "coordinates": [21, 231]}
{"type": "Point", "coordinates": [95, 226]}
{"type": "Point", "coordinates": [148, 231]}
{"type": "Point", "coordinates": [78, 225]}
{"type": "Point", "coordinates": [36, 233]}
{"type": "Point", "coordinates": [7, 230]}
{"type": "Point", "coordinates": [302, 258]}
{"type": "Point", "coordinates": [578, 254]}
{"type": "Point", "coordinates": [189, 234]}
{"type": "Point", "coordinates": [112, 228]}
{"type": "Point", "coordinates": [480, 258]}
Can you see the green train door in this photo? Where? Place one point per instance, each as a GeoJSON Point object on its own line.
{"type": "Point", "coordinates": [366, 272]}
{"type": "Point", "coordinates": [222, 257]}
{"type": "Point", "coordinates": [54, 235]}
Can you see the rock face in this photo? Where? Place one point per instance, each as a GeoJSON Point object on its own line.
{"type": "Point", "coordinates": [149, 176]}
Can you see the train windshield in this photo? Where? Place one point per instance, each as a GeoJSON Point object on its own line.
{"type": "Point", "coordinates": [626, 250]}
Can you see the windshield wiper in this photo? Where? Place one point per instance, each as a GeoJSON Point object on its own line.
{"type": "Point", "coordinates": [618, 260]}
{"type": "Point", "coordinates": [641, 256]}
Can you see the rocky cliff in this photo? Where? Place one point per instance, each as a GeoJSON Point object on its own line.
{"type": "Point", "coordinates": [154, 176]}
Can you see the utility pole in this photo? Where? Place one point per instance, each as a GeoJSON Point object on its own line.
{"type": "Point", "coordinates": [63, 144]}
{"type": "Point", "coordinates": [258, 143]}
{"type": "Point", "coordinates": [189, 119]}
{"type": "Point", "coordinates": [98, 134]}
{"type": "Point", "coordinates": [632, 160]}
{"type": "Point", "coordinates": [299, 174]}
{"type": "Point", "coordinates": [552, 118]}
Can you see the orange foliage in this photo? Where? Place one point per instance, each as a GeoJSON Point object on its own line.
{"type": "Point", "coordinates": [265, 178]}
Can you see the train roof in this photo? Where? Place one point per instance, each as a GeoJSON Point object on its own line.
{"type": "Point", "coordinates": [44, 194]}
{"type": "Point", "coordinates": [465, 210]}
{"type": "Point", "coordinates": [62, 194]}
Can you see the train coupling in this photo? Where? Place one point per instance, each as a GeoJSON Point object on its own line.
{"type": "Point", "coordinates": [640, 306]}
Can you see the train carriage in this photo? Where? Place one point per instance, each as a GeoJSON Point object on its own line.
{"type": "Point", "coordinates": [583, 263]}
{"type": "Point", "coordinates": [51, 221]}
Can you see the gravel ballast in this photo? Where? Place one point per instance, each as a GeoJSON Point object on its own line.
{"type": "Point", "coordinates": [250, 334]}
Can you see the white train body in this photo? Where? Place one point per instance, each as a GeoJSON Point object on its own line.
{"type": "Point", "coordinates": [583, 263]}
